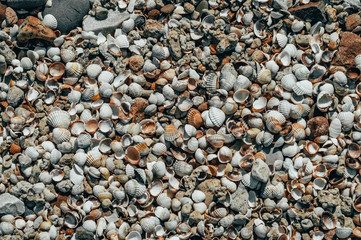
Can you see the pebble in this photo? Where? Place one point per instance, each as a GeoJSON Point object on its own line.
{"type": "Point", "coordinates": [239, 201]}
{"type": "Point", "coordinates": [114, 20]}
{"type": "Point", "coordinates": [11, 205]}
{"type": "Point", "coordinates": [15, 96]}
{"type": "Point", "coordinates": [260, 170]}
{"type": "Point", "coordinates": [21, 4]}
{"type": "Point", "coordinates": [68, 13]}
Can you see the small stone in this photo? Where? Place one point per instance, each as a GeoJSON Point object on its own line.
{"type": "Point", "coordinates": [114, 19]}
{"type": "Point", "coordinates": [136, 62]}
{"type": "Point", "coordinates": [154, 14]}
{"type": "Point", "coordinates": [175, 49]}
{"type": "Point", "coordinates": [318, 126]}
{"type": "Point", "coordinates": [68, 13]}
{"type": "Point", "coordinates": [15, 96]}
{"type": "Point", "coordinates": [353, 21]}
{"type": "Point", "coordinates": [239, 201]}
{"type": "Point", "coordinates": [167, 8]}
{"type": "Point", "coordinates": [302, 40]}
{"type": "Point", "coordinates": [18, 4]}
{"type": "Point", "coordinates": [3, 36]}
{"type": "Point", "coordinates": [153, 28]}
{"type": "Point", "coordinates": [188, 7]}
{"type": "Point", "coordinates": [195, 217]}
{"type": "Point", "coordinates": [33, 28]}
{"type": "Point", "coordinates": [82, 234]}
{"type": "Point", "coordinates": [7, 52]}
{"type": "Point", "coordinates": [260, 170]}
{"type": "Point", "coordinates": [10, 204]}
{"type": "Point", "coordinates": [311, 12]}
{"type": "Point", "coordinates": [101, 13]}
{"type": "Point", "coordinates": [209, 187]}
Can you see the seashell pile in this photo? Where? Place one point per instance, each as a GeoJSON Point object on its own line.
{"type": "Point", "coordinates": [200, 119]}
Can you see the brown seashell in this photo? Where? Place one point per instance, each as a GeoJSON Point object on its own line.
{"type": "Point", "coordinates": [132, 155]}
{"type": "Point", "coordinates": [2, 12]}
{"type": "Point", "coordinates": [57, 70]}
{"type": "Point", "coordinates": [91, 126]}
{"type": "Point", "coordinates": [33, 28]}
{"type": "Point", "coordinates": [353, 163]}
{"type": "Point", "coordinates": [14, 148]}
{"type": "Point", "coordinates": [10, 16]}
{"type": "Point", "coordinates": [171, 133]}
{"type": "Point", "coordinates": [194, 117]}
{"type": "Point", "coordinates": [149, 127]}
{"type": "Point", "coordinates": [328, 220]}
{"type": "Point", "coordinates": [357, 232]}
{"type": "Point", "coordinates": [311, 148]}
{"type": "Point", "coordinates": [354, 150]}
{"type": "Point", "coordinates": [357, 204]}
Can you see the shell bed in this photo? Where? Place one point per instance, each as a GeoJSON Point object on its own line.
{"type": "Point", "coordinates": [171, 119]}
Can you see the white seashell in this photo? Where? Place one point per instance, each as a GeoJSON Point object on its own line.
{"type": "Point", "coordinates": [288, 82]}
{"type": "Point", "coordinates": [357, 60]}
{"type": "Point", "coordinates": [303, 87]}
{"type": "Point", "coordinates": [281, 39]}
{"type": "Point", "coordinates": [273, 67]}
{"type": "Point", "coordinates": [297, 26]}
{"type": "Point", "coordinates": [217, 116]}
{"type": "Point", "coordinates": [340, 78]}
{"type": "Point", "coordinates": [58, 118]}
{"type": "Point", "coordinates": [343, 232]}
{"type": "Point", "coordinates": [159, 149]}
{"type": "Point", "coordinates": [93, 71]}
{"type": "Point", "coordinates": [211, 81]}
{"type": "Point", "coordinates": [67, 55]}
{"type": "Point", "coordinates": [128, 25]}
{"type": "Point", "coordinates": [264, 76]}
{"type": "Point", "coordinates": [346, 119]}
{"type": "Point", "coordinates": [122, 41]}
{"type": "Point", "coordinates": [168, 92]}
{"type": "Point", "coordinates": [50, 21]}
{"type": "Point", "coordinates": [290, 150]}
{"type": "Point", "coordinates": [53, 51]}
{"type": "Point", "coordinates": [74, 69]}
{"type": "Point", "coordinates": [241, 95]}
{"type": "Point", "coordinates": [198, 196]}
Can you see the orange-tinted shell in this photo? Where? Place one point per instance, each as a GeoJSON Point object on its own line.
{"type": "Point", "coordinates": [14, 148]}
{"type": "Point", "coordinates": [132, 155]}
{"type": "Point", "coordinates": [10, 16]}
{"type": "Point", "coordinates": [194, 118]}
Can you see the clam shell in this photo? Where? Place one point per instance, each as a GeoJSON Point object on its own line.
{"type": "Point", "coordinates": [94, 158]}
{"type": "Point", "coordinates": [182, 168]}
{"type": "Point", "coordinates": [303, 87]}
{"type": "Point", "coordinates": [67, 55]}
{"type": "Point", "coordinates": [211, 82]}
{"type": "Point", "coordinates": [93, 71]}
{"type": "Point", "coordinates": [194, 118]}
{"type": "Point", "coordinates": [171, 133]}
{"type": "Point", "coordinates": [328, 220]}
{"type": "Point", "coordinates": [217, 116]}
{"type": "Point", "coordinates": [57, 70]}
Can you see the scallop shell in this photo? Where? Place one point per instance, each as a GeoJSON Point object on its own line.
{"type": "Point", "coordinates": [60, 135]}
{"type": "Point", "coordinates": [194, 118]}
{"type": "Point", "coordinates": [67, 55]}
{"type": "Point", "coordinates": [288, 82]}
{"type": "Point", "coordinates": [50, 21]}
{"type": "Point", "coordinates": [94, 158]}
{"type": "Point", "coordinates": [58, 118]}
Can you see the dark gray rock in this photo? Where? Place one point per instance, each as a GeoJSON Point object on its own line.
{"type": "Point", "coordinates": [69, 13]}
{"type": "Point", "coordinates": [15, 96]}
{"type": "Point", "coordinates": [311, 12]}
{"type": "Point", "coordinates": [26, 3]}
{"type": "Point", "coordinates": [108, 25]}
{"type": "Point", "coordinates": [11, 205]}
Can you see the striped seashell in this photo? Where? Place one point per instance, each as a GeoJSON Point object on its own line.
{"type": "Point", "coordinates": [335, 128]}
{"type": "Point", "coordinates": [298, 131]}
{"type": "Point", "coordinates": [217, 116]}
{"type": "Point", "coordinates": [303, 87]}
{"type": "Point", "coordinates": [220, 212]}
{"type": "Point", "coordinates": [182, 168]}
{"type": "Point", "coordinates": [105, 77]}
{"type": "Point", "coordinates": [328, 220]}
{"type": "Point", "coordinates": [278, 191]}
{"type": "Point", "coordinates": [94, 158]}
{"type": "Point", "coordinates": [194, 118]}
{"type": "Point", "coordinates": [211, 81]}
{"type": "Point", "coordinates": [58, 118]}
{"type": "Point", "coordinates": [264, 76]}
{"type": "Point", "coordinates": [50, 21]}
{"type": "Point", "coordinates": [284, 107]}
{"type": "Point", "coordinates": [171, 133]}
{"type": "Point", "coordinates": [281, 39]}
{"type": "Point", "coordinates": [14, 148]}
{"type": "Point", "coordinates": [288, 81]}
{"type": "Point", "coordinates": [297, 111]}
{"type": "Point", "coordinates": [268, 191]}
{"type": "Point", "coordinates": [343, 232]}
{"type": "Point", "coordinates": [159, 169]}
{"type": "Point", "coordinates": [60, 135]}
{"type": "Point", "coordinates": [74, 69]}
{"type": "Point", "coordinates": [346, 119]}
{"type": "Point", "coordinates": [159, 149]}
{"type": "Point", "coordinates": [192, 144]}
{"type": "Point", "coordinates": [216, 140]}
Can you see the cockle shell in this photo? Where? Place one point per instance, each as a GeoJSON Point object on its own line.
{"type": "Point", "coordinates": [73, 69]}
{"type": "Point", "coordinates": [58, 118]}
{"type": "Point", "coordinates": [328, 220]}
{"type": "Point", "coordinates": [57, 70]}
{"type": "Point", "coordinates": [50, 21]}
{"type": "Point", "coordinates": [217, 116]}
{"type": "Point", "coordinates": [171, 133]}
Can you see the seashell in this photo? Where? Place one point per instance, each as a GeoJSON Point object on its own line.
{"type": "Point", "coordinates": [328, 220]}
{"type": "Point", "coordinates": [182, 168]}
{"type": "Point", "coordinates": [57, 70]}
{"type": "Point", "coordinates": [171, 133]}
{"type": "Point", "coordinates": [264, 76]}
{"type": "Point", "coordinates": [94, 158]}
{"type": "Point", "coordinates": [58, 118]}
{"type": "Point", "coordinates": [303, 87]}
{"type": "Point", "coordinates": [67, 55]}
{"type": "Point", "coordinates": [343, 232]}
{"type": "Point", "coordinates": [74, 69]}
{"type": "Point", "coordinates": [211, 81]}
{"type": "Point", "coordinates": [259, 105]}
{"type": "Point", "coordinates": [281, 39]}
{"type": "Point", "coordinates": [132, 155]}
{"type": "Point", "coordinates": [217, 116]}
{"type": "Point", "coordinates": [288, 82]}
{"type": "Point", "coordinates": [121, 41]}
{"type": "Point", "coordinates": [105, 77]}
{"type": "Point", "coordinates": [184, 103]}
{"type": "Point", "coordinates": [241, 96]}
{"type": "Point", "coordinates": [346, 119]}
{"type": "Point", "coordinates": [194, 118]}
{"type": "Point", "coordinates": [93, 71]}
{"type": "Point", "coordinates": [297, 26]}
{"type": "Point", "coordinates": [50, 21]}
{"type": "Point", "coordinates": [340, 78]}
